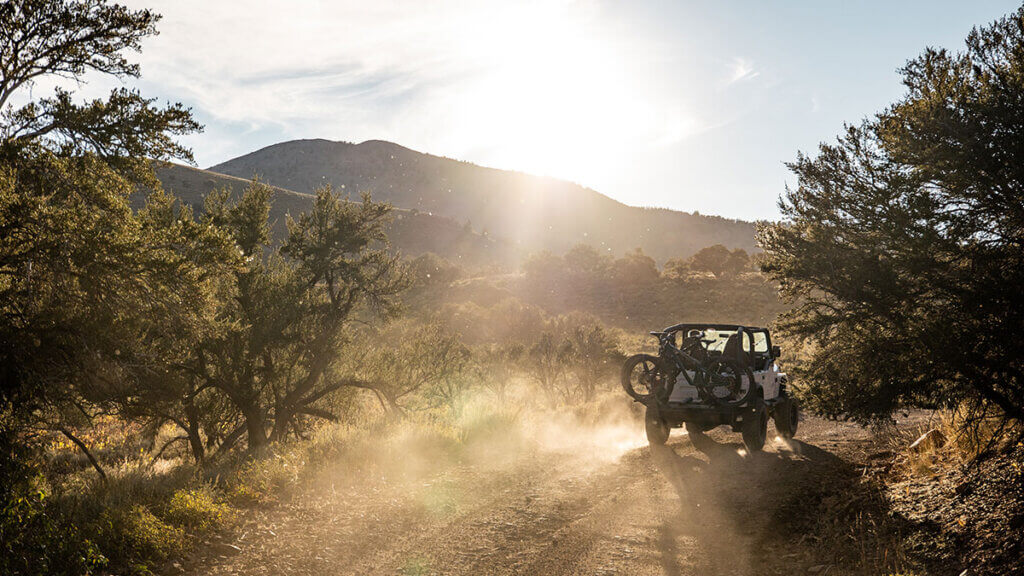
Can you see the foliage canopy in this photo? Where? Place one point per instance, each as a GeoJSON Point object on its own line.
{"type": "Point", "coordinates": [903, 242]}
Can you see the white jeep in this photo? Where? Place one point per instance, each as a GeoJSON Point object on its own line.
{"type": "Point", "coordinates": [709, 375]}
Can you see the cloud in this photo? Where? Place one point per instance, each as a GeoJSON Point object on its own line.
{"type": "Point", "coordinates": [742, 69]}
{"type": "Point", "coordinates": [542, 86]}
{"type": "Point", "coordinates": [563, 88]}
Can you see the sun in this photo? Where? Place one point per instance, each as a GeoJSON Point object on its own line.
{"type": "Point", "coordinates": [555, 92]}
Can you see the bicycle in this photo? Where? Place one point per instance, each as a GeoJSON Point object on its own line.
{"type": "Point", "coordinates": [719, 380]}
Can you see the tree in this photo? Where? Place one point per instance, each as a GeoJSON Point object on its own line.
{"type": "Point", "coordinates": [512, 321]}
{"type": "Point", "coordinates": [584, 260]}
{"type": "Point", "coordinates": [543, 271]}
{"type": "Point", "coordinates": [498, 365]}
{"type": "Point", "coordinates": [676, 269]}
{"type": "Point", "coordinates": [155, 381]}
{"type": "Point", "coordinates": [88, 291]}
{"type": "Point", "coordinates": [289, 309]}
{"type": "Point", "coordinates": [635, 270]}
{"type": "Point", "coordinates": [720, 261]}
{"type": "Point", "coordinates": [72, 257]}
{"type": "Point", "coordinates": [41, 38]}
{"type": "Point", "coordinates": [90, 294]}
{"type": "Point", "coordinates": [546, 365]}
{"type": "Point", "coordinates": [430, 277]}
{"type": "Point", "coordinates": [902, 243]}
{"type": "Point", "coordinates": [739, 262]}
{"type": "Point", "coordinates": [594, 355]}
{"type": "Point", "coordinates": [432, 360]}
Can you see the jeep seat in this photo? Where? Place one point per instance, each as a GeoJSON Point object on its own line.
{"type": "Point", "coordinates": [734, 349]}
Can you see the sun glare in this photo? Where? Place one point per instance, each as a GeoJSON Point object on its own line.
{"type": "Point", "coordinates": [556, 91]}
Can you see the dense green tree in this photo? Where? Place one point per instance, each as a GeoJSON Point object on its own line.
{"type": "Point", "coordinates": [720, 261]}
{"type": "Point", "coordinates": [287, 314]}
{"type": "Point", "coordinates": [60, 38]}
{"type": "Point", "coordinates": [169, 389]}
{"type": "Point", "coordinates": [93, 297]}
{"type": "Point", "coordinates": [81, 278]}
{"type": "Point", "coordinates": [903, 243]}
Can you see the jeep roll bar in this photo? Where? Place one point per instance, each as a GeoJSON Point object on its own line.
{"type": "Point", "coordinates": [773, 351]}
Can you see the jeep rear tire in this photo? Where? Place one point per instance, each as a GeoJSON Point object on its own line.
{"type": "Point", "coordinates": [655, 426]}
{"type": "Point", "coordinates": [787, 418]}
{"type": "Point", "coordinates": [755, 428]}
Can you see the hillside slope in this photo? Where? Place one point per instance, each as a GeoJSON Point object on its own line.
{"type": "Point", "coordinates": [411, 233]}
{"type": "Point", "coordinates": [532, 212]}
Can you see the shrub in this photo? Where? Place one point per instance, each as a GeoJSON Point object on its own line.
{"type": "Point", "coordinates": [34, 539]}
{"type": "Point", "coordinates": [137, 538]}
{"type": "Point", "coordinates": [488, 427]}
{"type": "Point", "coordinates": [200, 509]}
{"type": "Point", "coordinates": [260, 480]}
{"type": "Point", "coordinates": [900, 246]}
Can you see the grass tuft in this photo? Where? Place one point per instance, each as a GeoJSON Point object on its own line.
{"type": "Point", "coordinates": [199, 509]}
{"type": "Point", "coordinates": [140, 538]}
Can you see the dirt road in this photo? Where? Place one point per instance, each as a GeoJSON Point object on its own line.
{"type": "Point", "coordinates": [671, 511]}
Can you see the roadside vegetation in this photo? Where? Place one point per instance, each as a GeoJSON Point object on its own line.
{"type": "Point", "coordinates": [900, 252]}
{"type": "Point", "coordinates": [900, 246]}
{"type": "Point", "coordinates": [164, 369]}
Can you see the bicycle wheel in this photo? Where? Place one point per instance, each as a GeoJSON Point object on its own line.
{"type": "Point", "coordinates": [642, 377]}
{"type": "Point", "coordinates": [728, 382]}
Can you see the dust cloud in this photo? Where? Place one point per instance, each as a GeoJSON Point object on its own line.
{"type": "Point", "coordinates": [485, 438]}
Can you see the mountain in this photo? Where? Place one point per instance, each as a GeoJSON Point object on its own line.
{"type": "Point", "coordinates": [410, 232]}
{"type": "Point", "coordinates": [531, 212]}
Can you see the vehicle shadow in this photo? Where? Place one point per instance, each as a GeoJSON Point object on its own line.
{"type": "Point", "coordinates": [752, 513]}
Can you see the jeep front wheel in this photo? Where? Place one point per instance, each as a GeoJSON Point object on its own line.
{"type": "Point", "coordinates": [787, 418]}
{"type": "Point", "coordinates": [755, 428]}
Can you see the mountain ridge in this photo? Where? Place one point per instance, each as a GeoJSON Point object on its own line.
{"type": "Point", "coordinates": [409, 232]}
{"type": "Point", "coordinates": [532, 212]}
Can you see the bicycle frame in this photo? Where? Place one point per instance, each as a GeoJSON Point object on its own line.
{"type": "Point", "coordinates": [668, 350]}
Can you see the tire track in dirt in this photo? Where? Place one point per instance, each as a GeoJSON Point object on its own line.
{"type": "Point", "coordinates": [389, 529]}
{"type": "Point", "coordinates": [670, 510]}
{"type": "Point", "coordinates": [542, 517]}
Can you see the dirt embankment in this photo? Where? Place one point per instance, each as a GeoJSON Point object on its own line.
{"type": "Point", "coordinates": [610, 505]}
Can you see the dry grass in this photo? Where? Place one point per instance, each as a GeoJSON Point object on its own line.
{"type": "Point", "coordinates": [956, 441]}
{"type": "Point", "coordinates": [151, 511]}
{"type": "Point", "coordinates": [955, 495]}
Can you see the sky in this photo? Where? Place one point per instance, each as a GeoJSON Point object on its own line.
{"type": "Point", "coordinates": [694, 106]}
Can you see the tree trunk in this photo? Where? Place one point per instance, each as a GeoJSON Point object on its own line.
{"type": "Point", "coordinates": [983, 383]}
{"type": "Point", "coordinates": [195, 441]}
{"type": "Point", "coordinates": [394, 411]}
{"type": "Point", "coordinates": [229, 441]}
{"type": "Point", "coordinates": [255, 428]}
{"type": "Point", "coordinates": [282, 422]}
